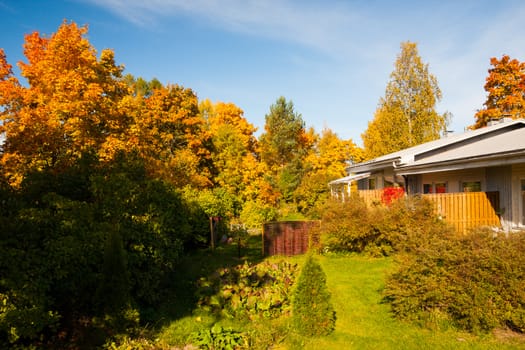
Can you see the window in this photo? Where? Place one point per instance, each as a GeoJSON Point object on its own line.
{"type": "Point", "coordinates": [438, 187]}
{"type": "Point", "coordinates": [441, 187]}
{"type": "Point", "coordinates": [371, 183]}
{"type": "Point", "coordinates": [471, 186]}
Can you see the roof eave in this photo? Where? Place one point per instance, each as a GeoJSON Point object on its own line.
{"type": "Point", "coordinates": [498, 159]}
{"type": "Point", "coordinates": [372, 166]}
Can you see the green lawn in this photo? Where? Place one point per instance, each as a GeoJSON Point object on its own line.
{"type": "Point", "coordinates": [363, 321]}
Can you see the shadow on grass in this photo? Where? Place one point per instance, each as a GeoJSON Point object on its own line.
{"type": "Point", "coordinates": [180, 300]}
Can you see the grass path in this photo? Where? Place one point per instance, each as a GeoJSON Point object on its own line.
{"type": "Point", "coordinates": [363, 322]}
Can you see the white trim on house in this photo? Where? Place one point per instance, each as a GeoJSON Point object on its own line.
{"type": "Point", "coordinates": [349, 179]}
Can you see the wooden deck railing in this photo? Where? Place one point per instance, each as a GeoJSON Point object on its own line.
{"type": "Point", "coordinates": [371, 196]}
{"type": "Point", "coordinates": [466, 210]}
{"type": "Point", "coordinates": [463, 210]}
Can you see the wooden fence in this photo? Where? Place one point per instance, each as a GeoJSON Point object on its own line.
{"type": "Point", "coordinates": [371, 196]}
{"type": "Point", "coordinates": [466, 210]}
{"type": "Point", "coordinates": [463, 210]}
{"type": "Point", "coordinates": [288, 237]}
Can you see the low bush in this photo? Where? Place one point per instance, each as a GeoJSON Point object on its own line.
{"type": "Point", "coordinates": [347, 226]}
{"type": "Point", "coordinates": [218, 337]}
{"type": "Point", "coordinates": [380, 230]}
{"type": "Point", "coordinates": [408, 224]}
{"type": "Point", "coordinates": [476, 282]}
{"type": "Point", "coordinates": [248, 291]}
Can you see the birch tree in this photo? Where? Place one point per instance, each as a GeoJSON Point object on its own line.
{"type": "Point", "coordinates": [406, 116]}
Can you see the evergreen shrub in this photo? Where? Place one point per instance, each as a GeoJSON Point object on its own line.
{"type": "Point", "coordinates": [312, 310]}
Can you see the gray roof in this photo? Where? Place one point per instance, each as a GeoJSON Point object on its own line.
{"type": "Point", "coordinates": [503, 138]}
{"type": "Point", "coordinates": [349, 179]}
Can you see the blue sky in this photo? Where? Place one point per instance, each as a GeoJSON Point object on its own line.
{"type": "Point", "coordinates": [332, 58]}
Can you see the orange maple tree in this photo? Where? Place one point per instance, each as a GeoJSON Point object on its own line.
{"type": "Point", "coordinates": [69, 106]}
{"type": "Point", "coordinates": [505, 86]}
{"type": "Point", "coordinates": [169, 133]}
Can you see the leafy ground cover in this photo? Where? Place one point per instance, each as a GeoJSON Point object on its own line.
{"type": "Point", "coordinates": [356, 284]}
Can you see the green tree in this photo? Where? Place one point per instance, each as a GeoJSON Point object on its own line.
{"type": "Point", "coordinates": [284, 138]}
{"type": "Point", "coordinates": [283, 147]}
{"type": "Point", "coordinates": [312, 310]}
{"type": "Point", "coordinates": [505, 86]}
{"type": "Point", "coordinates": [142, 87]}
{"type": "Point", "coordinates": [406, 115]}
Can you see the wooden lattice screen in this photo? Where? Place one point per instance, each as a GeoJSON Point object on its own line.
{"type": "Point", "coordinates": [289, 237]}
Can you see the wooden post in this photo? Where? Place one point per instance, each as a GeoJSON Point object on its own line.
{"type": "Point", "coordinates": [212, 234]}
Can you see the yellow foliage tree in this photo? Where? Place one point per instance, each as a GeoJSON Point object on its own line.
{"type": "Point", "coordinates": [326, 161]}
{"type": "Point", "coordinates": [406, 115]}
{"type": "Point", "coordinates": [234, 149]}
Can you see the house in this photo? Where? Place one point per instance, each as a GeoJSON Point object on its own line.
{"type": "Point", "coordinates": [490, 159]}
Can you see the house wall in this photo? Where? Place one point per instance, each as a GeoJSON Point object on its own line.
{"type": "Point", "coordinates": [505, 179]}
{"type": "Point", "coordinates": [518, 174]}
{"type": "Point", "coordinates": [381, 180]}
{"type": "Point", "coordinates": [499, 179]}
{"type": "Point", "coordinates": [376, 178]}
{"type": "Point", "coordinates": [454, 179]}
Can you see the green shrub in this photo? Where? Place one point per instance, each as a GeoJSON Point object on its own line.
{"type": "Point", "coordinates": [408, 223]}
{"type": "Point", "coordinates": [52, 247]}
{"type": "Point", "coordinates": [113, 291]}
{"type": "Point", "coordinates": [312, 311]}
{"type": "Point", "coordinates": [477, 281]}
{"type": "Point", "coordinates": [379, 230]}
{"type": "Point", "coordinates": [347, 226]}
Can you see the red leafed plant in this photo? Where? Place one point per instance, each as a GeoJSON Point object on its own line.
{"type": "Point", "coordinates": [391, 194]}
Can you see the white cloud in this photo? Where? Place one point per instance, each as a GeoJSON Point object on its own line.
{"type": "Point", "coordinates": [313, 24]}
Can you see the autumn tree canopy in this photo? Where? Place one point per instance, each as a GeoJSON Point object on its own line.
{"type": "Point", "coordinates": [326, 161]}
{"type": "Point", "coordinates": [69, 106]}
{"type": "Point", "coordinates": [234, 146]}
{"type": "Point", "coordinates": [170, 134]}
{"type": "Point", "coordinates": [505, 86]}
{"type": "Point", "coordinates": [77, 103]}
{"type": "Point", "coordinates": [406, 115]}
